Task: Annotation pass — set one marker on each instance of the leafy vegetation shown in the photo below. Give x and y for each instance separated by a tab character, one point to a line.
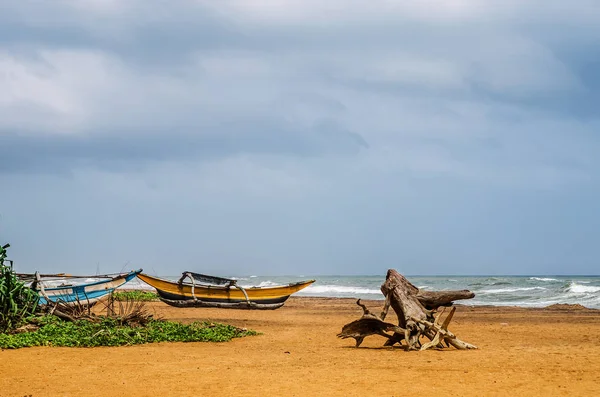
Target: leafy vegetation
137	295
17	301
109	332
126	322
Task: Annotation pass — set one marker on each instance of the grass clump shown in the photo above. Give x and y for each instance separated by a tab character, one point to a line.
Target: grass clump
109	332
137	295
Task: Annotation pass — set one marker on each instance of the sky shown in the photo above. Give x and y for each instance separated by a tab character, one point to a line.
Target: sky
306	137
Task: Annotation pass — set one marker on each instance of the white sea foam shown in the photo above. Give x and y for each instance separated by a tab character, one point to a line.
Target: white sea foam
583	289
267	283
57	283
543	279
508	290
340	289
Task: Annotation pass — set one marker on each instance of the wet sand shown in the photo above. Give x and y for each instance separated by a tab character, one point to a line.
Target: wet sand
525	352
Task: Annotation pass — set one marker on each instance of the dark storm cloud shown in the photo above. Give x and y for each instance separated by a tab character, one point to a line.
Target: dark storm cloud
22	152
166	36
148	38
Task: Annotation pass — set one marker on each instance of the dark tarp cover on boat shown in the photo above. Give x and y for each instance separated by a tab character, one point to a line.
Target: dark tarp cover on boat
209	279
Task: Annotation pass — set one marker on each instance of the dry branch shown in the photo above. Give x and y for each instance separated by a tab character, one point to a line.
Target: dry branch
432	300
368	324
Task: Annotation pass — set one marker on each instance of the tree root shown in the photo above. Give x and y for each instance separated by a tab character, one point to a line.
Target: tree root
416	320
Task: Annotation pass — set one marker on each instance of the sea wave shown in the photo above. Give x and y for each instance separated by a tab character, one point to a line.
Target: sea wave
266	283
487	284
340	289
582	289
529	291
543	279
509	290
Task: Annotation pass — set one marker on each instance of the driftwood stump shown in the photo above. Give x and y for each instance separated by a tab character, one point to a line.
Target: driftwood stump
416	311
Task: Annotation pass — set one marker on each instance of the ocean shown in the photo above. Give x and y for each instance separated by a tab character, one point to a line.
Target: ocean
524	291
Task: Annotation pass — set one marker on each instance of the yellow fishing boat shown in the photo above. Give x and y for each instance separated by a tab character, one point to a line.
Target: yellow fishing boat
210	291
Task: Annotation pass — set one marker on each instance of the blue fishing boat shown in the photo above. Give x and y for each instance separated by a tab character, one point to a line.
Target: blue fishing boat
86	294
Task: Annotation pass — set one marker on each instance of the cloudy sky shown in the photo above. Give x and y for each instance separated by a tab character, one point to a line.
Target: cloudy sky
293	137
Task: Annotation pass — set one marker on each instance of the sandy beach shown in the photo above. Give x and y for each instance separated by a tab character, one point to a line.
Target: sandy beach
526	352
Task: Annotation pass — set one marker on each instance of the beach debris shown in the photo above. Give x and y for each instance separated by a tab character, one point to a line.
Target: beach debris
26	328
416	311
367	325
129	310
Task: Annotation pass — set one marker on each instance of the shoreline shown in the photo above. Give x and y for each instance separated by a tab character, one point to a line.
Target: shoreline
522	351
462	303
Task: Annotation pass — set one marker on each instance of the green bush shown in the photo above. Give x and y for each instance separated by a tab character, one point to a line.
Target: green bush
108	332
136	295
17	301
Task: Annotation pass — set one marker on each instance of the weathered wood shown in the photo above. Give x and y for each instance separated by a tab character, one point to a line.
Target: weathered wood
416	318
363	327
63	316
434	299
26	328
368	324
403	299
415	310
402	295
448	336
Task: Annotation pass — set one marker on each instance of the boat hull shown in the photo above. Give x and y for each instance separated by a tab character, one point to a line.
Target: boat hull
222	305
188	295
85	294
